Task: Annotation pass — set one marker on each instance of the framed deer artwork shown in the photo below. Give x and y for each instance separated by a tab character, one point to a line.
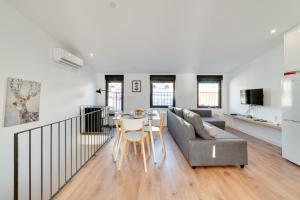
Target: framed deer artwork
22	102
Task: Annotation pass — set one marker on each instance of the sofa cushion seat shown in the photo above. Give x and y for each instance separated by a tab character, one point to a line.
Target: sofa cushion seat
215	121
218	133
225	135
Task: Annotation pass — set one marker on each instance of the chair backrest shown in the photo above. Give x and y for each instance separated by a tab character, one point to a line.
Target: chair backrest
132	124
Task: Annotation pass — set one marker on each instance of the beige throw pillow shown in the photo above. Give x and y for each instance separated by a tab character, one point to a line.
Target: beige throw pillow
196	121
179	112
210	129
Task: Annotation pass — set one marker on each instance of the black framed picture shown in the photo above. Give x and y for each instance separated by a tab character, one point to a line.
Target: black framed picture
136	86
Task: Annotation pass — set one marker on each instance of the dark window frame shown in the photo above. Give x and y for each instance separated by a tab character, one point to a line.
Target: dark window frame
114	79
210	79
162	79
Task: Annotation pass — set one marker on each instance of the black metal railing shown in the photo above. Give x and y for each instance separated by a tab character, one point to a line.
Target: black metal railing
162	98
46	158
208	99
115	101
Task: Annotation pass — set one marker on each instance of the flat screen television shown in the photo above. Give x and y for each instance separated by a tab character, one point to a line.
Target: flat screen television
252	97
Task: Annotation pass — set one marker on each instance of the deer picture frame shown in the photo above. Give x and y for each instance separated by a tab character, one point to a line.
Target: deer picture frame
22	102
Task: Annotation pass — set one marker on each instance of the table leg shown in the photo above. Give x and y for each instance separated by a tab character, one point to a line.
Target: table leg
152	142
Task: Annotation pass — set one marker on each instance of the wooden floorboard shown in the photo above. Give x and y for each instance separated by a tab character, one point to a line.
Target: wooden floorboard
268	176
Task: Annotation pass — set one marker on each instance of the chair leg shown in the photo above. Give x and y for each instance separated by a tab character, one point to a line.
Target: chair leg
117	140
134	145
148	146
162	143
144	155
127	148
124	150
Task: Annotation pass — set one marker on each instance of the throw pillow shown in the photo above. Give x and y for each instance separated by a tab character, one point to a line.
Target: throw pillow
211	131
196	121
179	112
171	109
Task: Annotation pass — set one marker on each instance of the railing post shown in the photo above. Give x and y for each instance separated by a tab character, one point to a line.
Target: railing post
101	125
65	151
16	167
76	122
58	156
51	170
42	165
71	157
29	158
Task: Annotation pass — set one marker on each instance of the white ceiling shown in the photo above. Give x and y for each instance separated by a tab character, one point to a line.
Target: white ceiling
164	36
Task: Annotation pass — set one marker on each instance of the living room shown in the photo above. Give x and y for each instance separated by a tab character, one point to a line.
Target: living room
212	81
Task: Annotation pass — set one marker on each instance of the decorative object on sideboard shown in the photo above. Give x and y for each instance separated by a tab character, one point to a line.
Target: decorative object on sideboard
136	86
22	102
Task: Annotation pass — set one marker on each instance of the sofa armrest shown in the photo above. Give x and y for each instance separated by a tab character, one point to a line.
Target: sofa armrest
220	152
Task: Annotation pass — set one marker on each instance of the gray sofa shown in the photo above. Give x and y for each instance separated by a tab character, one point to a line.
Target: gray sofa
206	116
224	150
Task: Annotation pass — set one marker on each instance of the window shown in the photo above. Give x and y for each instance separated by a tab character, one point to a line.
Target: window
114	92
162	91
209	94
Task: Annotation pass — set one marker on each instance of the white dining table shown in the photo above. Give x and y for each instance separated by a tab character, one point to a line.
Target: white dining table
154	116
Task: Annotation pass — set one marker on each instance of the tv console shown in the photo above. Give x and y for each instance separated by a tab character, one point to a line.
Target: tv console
261	122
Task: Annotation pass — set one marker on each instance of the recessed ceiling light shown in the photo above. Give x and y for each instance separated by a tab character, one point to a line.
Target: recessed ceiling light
113	4
91	54
273	31
299	31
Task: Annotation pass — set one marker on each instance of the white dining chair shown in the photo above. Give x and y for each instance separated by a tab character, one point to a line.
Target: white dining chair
133	132
159	131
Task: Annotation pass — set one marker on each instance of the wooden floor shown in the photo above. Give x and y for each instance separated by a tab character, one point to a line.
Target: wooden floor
267	176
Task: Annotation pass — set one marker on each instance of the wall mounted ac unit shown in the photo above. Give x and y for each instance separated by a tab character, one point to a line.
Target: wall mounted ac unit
62	56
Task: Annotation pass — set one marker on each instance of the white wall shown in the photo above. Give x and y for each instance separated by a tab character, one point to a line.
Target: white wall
185	89
263	72
25	52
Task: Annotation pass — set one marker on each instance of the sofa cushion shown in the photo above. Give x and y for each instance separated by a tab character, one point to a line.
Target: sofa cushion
179	112
196	121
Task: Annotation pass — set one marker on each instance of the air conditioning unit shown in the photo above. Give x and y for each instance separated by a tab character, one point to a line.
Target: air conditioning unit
62	56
